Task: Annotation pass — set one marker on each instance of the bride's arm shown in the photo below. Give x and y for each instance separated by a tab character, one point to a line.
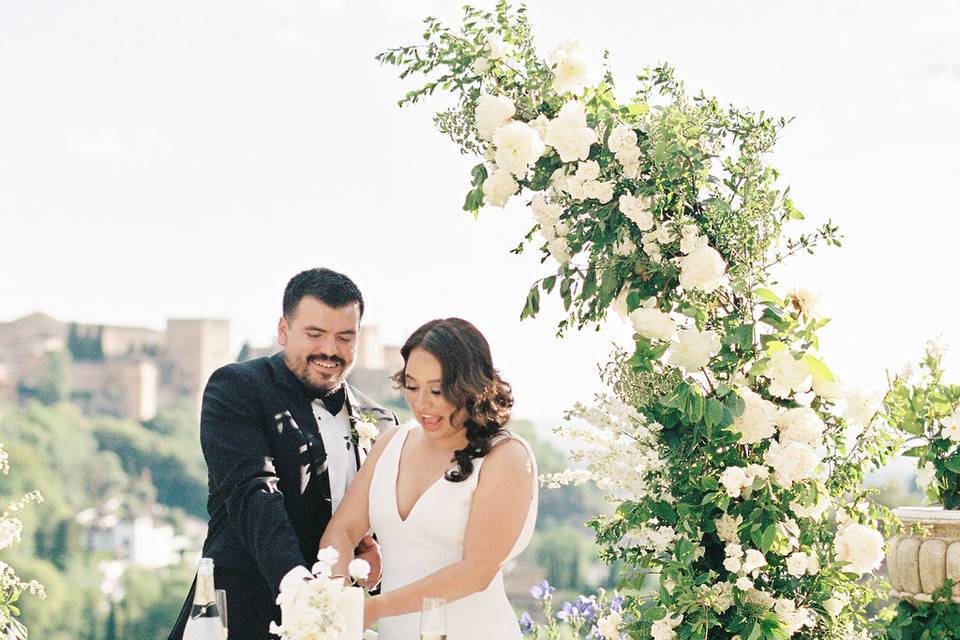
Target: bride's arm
497	515
351	521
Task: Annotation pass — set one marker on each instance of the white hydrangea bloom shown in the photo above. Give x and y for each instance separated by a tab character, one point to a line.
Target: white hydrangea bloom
693	349
756	423
498	187
727	527
801	424
518	146
569	134
702	269
492	113
787	375
860	547
571	66
546	213
735	480
753	561
559	248
791	462
663	629
637	209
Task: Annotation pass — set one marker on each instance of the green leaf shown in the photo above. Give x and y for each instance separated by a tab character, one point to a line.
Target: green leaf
532	307
654	613
953	463
765	295
818	368
713	412
768	538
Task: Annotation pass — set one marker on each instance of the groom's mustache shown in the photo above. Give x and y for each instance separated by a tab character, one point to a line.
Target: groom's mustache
322	358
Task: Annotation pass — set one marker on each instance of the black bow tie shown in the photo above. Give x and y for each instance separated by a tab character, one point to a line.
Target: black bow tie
333	400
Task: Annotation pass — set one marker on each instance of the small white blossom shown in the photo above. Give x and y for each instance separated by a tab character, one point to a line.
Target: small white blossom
663	629
756	423
702	269
637	209
787	374
570	63
621	137
693	349
801	424
358	569
791	462
862	406
492	113
653	323
860	546
498	187
518	146
569	134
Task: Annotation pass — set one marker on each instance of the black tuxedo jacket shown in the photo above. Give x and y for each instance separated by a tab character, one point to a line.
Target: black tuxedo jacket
269	491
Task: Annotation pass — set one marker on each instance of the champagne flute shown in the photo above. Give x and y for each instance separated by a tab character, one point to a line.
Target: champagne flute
433	619
221	595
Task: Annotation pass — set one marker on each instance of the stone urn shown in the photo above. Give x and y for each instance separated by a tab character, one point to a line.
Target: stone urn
917	565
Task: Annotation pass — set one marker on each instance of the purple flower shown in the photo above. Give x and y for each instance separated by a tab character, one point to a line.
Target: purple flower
526	623
617	603
570	613
542	591
587	607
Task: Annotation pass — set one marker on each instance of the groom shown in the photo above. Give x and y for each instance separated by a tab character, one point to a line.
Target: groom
278	437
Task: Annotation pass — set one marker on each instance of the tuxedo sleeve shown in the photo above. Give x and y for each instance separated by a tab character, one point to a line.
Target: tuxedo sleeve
241	468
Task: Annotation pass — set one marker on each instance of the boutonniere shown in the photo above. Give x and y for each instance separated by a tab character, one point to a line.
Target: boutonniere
364	429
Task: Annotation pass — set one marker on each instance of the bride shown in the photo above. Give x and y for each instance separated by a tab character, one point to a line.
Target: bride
451	495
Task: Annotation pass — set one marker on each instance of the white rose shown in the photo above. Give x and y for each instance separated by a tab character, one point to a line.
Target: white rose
791	462
787	375
601	191
495	46
693	349
815	512
620	304
753	561
762	598
801	424
621	137
632	170
926	475
561	229
480	65
744	583
625	248
862	406
735	480
545	212
756	423
702	269
732	564
727	527
653	323
492	113
358	569
664	234
570	62
637	209
560	250
366	432
569	134
663	629
629	156
860	546
829	390
798	563
498	187
518	146
327	557
834	605
690	239
805	301
540	126
609	625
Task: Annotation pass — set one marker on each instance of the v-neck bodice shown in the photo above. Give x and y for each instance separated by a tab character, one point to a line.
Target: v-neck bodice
431	538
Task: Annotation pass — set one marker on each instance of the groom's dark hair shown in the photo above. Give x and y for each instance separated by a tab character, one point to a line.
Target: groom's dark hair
330	287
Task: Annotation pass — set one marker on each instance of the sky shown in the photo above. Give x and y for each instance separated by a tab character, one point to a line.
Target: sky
185	159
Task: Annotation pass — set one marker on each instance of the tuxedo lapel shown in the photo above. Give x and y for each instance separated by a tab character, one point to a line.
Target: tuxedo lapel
304	422
353	411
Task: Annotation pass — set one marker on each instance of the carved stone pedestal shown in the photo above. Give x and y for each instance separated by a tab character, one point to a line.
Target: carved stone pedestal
917	565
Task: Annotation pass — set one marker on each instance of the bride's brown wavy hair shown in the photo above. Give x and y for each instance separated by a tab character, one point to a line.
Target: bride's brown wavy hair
469	382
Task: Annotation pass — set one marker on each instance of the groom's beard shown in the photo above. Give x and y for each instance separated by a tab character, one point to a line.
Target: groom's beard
320	389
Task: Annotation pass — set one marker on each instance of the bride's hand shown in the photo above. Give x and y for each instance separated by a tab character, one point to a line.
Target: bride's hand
370	551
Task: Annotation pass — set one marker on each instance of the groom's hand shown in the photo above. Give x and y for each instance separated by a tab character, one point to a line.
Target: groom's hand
369	550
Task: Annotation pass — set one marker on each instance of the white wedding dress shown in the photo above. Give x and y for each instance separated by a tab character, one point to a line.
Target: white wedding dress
430	539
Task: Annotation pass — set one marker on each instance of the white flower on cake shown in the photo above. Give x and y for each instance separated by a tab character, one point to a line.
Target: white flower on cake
801	424
791	462
569	134
693	349
622	137
756	423
702	269
518	146
860	547
637	209
498	187
787	374
492	113
570	62
358	569
653	323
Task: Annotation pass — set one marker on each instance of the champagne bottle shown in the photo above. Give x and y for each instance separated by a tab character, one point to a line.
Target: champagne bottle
204	622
